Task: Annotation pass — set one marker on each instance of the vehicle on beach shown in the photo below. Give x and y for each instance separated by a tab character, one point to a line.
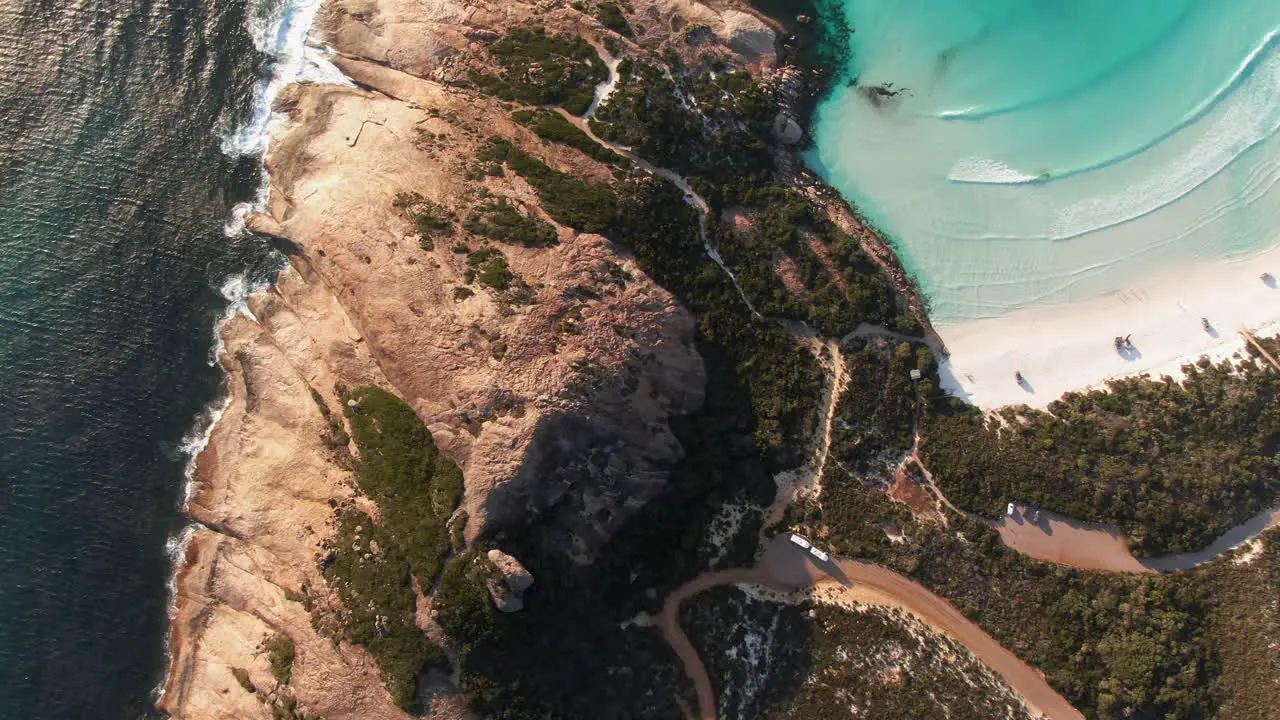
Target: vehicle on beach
819	554
796	539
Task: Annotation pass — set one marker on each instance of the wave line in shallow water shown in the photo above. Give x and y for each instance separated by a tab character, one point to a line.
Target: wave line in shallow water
983	171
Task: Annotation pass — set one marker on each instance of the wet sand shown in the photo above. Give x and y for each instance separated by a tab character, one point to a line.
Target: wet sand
787	567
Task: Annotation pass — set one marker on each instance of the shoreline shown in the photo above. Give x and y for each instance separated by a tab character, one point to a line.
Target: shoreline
1071	348
283	40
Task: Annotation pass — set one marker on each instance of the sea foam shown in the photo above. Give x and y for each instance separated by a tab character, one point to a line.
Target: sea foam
978	170
1169	160
280	31
1239	123
282	35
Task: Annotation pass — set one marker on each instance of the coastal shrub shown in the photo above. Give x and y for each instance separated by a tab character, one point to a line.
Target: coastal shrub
761	392
373	566
1247	629
462	604
242	676
500	220
842	287
280	651
580	204
610	15
490	267
714	126
428	218
824	660
779	378
1173	464
553	127
415	487
379	603
1114	645
336	438
544	69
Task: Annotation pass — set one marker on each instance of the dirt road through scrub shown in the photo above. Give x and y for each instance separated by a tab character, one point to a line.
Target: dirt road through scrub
787	567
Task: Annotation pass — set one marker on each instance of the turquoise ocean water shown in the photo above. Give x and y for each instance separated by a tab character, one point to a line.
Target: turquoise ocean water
1045	151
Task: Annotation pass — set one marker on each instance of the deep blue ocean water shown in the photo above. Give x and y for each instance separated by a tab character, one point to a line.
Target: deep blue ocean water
112	252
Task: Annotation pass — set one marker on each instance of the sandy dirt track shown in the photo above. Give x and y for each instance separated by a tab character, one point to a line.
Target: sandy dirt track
787	567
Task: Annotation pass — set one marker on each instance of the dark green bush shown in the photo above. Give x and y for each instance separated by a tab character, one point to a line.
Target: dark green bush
610	15
552	126
280	653
242	677
373	566
502	221
428	218
580	204
714	127
542	69
1173	464
490	267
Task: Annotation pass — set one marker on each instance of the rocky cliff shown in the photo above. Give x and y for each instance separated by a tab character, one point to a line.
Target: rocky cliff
553	392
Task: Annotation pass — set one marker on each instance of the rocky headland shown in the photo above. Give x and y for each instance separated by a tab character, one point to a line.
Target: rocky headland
552	388
565	325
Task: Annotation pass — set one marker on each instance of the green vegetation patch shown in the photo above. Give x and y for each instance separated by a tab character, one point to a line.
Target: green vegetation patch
610	15
280	652
553	127
1247	620
572	201
462	604
242	677
428	218
772	372
373	566
843	287
1114	645
336	438
1175	465
502	221
715	126
544	69
489	266
807	661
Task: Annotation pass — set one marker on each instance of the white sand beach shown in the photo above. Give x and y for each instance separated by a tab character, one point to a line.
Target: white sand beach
1072	347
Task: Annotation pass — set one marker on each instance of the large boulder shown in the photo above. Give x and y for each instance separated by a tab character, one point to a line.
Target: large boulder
747	35
507	588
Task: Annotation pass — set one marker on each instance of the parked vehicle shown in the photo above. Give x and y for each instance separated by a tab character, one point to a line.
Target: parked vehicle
819	554
800	541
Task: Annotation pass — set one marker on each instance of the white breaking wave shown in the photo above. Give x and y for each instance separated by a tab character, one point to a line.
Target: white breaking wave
281	33
1243	121
969	170
969	113
197	439
175	548
982	170
283	38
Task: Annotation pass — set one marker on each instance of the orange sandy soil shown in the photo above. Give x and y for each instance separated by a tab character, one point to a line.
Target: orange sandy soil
787	567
